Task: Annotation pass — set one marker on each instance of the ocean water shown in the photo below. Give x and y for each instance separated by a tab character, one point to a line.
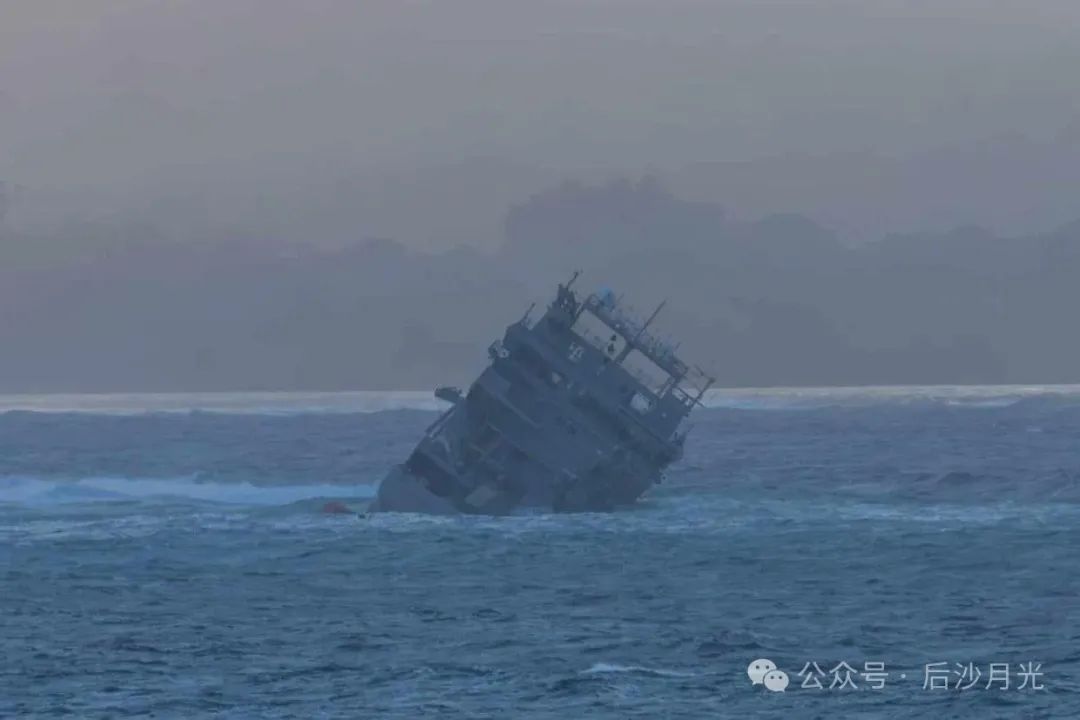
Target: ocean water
167	556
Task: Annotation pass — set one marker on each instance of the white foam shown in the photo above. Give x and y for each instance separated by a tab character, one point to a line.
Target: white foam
989	396
37	491
612	668
295	403
262	403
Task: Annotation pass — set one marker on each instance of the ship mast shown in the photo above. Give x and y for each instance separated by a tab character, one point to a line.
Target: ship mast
632	344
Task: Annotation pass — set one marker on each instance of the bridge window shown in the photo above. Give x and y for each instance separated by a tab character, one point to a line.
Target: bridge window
649	373
597	333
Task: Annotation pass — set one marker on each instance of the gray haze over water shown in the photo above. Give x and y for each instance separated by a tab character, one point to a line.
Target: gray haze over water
252	195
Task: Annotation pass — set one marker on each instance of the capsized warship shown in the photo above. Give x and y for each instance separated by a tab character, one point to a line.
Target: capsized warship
579	410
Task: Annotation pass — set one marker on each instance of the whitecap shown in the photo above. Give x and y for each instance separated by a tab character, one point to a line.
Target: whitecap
251	403
613	668
38	491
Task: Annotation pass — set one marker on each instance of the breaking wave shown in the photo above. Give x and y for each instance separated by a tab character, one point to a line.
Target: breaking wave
973	396
267	403
37	491
298	403
613	668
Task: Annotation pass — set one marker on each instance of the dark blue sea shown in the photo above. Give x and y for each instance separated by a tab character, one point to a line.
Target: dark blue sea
894	553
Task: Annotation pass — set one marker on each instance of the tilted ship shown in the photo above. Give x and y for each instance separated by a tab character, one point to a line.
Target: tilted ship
580	410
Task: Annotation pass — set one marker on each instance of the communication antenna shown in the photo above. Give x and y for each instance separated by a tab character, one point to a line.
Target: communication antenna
651	318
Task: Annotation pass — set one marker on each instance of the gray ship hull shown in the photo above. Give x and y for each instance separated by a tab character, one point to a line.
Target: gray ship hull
404	491
401	491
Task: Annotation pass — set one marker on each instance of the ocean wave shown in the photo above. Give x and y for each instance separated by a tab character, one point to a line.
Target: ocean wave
965	396
38	491
260	403
614	668
299	403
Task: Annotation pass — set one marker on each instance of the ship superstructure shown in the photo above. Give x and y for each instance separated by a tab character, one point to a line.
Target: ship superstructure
581	409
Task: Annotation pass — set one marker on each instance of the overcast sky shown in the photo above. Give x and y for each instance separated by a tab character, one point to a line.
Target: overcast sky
121	95
163	159
111	89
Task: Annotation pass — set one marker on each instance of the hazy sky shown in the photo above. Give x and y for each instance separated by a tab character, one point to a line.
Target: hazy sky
112	89
163	154
124	95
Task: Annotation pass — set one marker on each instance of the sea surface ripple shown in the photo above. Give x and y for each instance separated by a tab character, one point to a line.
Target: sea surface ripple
169	558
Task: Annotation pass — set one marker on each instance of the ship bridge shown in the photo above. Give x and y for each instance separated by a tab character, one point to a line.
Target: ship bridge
603	322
